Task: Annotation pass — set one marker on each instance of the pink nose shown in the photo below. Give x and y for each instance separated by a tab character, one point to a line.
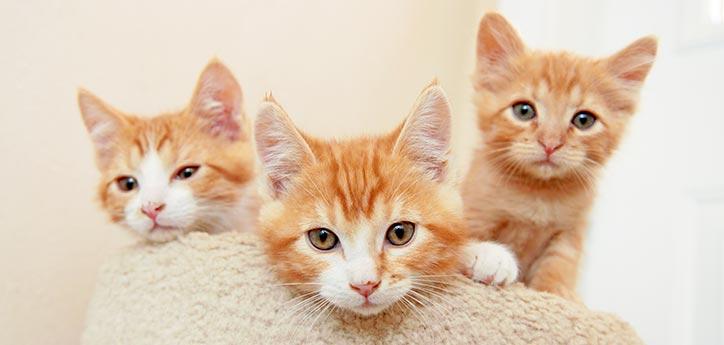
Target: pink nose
549	148
152	209
365	289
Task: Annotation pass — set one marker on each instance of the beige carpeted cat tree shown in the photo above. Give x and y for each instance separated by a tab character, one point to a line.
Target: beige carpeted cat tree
218	289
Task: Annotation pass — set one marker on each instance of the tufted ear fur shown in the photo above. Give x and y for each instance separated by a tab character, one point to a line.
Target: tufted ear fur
498	41
425	135
218	101
631	65
103	124
281	148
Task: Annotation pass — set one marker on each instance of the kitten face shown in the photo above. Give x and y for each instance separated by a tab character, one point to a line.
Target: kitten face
359	224
553	115
177	172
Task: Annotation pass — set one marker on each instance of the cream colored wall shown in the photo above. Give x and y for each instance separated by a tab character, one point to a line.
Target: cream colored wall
339	68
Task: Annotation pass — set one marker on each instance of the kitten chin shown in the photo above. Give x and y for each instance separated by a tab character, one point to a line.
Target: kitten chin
549	122
370	222
185	171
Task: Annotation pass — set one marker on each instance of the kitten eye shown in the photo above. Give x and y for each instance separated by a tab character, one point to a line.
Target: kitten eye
400	233
322	239
523	111
186	172
583	120
127	183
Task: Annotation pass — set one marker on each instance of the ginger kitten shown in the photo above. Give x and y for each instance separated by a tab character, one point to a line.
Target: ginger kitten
549	122
180	171
362	224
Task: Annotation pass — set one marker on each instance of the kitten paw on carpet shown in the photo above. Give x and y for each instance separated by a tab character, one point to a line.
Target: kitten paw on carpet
490	263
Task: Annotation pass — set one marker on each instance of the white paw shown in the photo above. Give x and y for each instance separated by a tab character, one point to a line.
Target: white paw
490	263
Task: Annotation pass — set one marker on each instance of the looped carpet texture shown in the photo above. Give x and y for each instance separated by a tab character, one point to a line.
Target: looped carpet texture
218	289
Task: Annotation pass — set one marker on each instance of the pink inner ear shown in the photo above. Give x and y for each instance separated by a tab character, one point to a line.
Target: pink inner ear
217	102
222	113
425	137
219	109
632	64
497	40
281	148
634	68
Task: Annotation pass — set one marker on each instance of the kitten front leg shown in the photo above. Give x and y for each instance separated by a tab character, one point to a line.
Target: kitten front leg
556	270
490	263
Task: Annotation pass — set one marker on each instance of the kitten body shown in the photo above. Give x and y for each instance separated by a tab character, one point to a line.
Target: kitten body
549	122
190	170
365	223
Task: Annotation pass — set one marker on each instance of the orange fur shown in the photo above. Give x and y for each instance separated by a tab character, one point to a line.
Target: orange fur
218	141
357	188
515	193
356	180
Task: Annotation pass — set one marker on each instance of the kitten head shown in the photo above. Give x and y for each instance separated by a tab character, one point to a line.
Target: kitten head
176	172
547	116
361	223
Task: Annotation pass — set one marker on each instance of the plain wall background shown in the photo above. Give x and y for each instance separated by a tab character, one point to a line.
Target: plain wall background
654	252
343	68
339	68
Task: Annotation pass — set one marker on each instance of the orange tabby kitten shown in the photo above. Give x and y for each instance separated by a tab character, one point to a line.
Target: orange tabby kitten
549	122
177	172
364	223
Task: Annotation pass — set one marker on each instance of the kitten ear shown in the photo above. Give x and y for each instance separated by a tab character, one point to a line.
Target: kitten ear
425	134
631	65
281	148
103	124
497	41
218	101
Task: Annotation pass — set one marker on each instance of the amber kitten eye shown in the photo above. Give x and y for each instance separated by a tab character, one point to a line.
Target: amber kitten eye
400	233
322	239
126	183
524	111
583	120
186	172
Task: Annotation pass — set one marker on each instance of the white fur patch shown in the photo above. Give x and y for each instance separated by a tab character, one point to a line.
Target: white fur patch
355	263
491	263
156	186
212	106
